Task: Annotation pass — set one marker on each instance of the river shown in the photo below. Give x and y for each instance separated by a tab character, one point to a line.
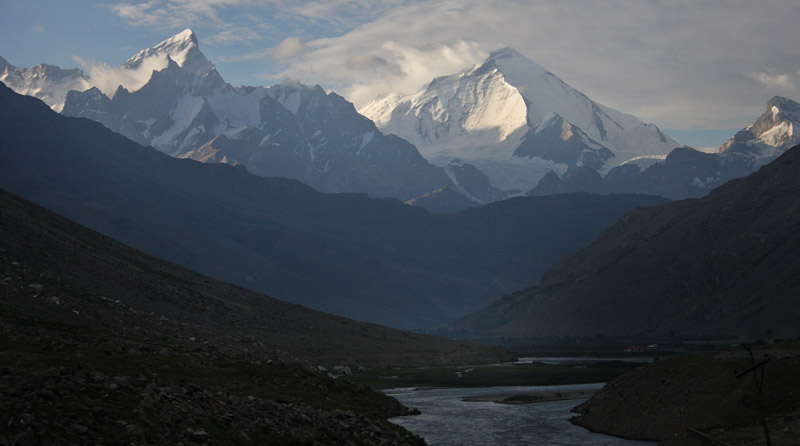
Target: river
447	420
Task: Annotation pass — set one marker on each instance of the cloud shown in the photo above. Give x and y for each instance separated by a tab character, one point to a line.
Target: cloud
679	64
286	50
37	28
233	35
141	14
175	13
402	68
781	82
108	78
289	48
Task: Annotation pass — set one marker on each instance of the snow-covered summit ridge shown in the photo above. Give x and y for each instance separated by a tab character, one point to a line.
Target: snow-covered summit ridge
183	48
510	62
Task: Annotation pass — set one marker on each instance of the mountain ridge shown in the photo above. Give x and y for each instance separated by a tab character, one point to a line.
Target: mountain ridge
717	266
371	259
185	105
689	173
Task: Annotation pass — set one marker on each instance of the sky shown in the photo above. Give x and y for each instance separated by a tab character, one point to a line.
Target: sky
700	70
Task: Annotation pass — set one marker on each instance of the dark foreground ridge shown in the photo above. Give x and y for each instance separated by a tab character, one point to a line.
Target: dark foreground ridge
100	343
686	400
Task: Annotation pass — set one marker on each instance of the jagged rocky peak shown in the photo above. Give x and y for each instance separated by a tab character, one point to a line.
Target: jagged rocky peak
776	128
780	111
554	121
292	94
183	48
784	109
557	139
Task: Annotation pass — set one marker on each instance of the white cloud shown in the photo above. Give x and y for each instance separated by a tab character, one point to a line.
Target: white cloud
780	82
140	14
37	28
679	64
175	13
233	35
289	48
108	78
401	68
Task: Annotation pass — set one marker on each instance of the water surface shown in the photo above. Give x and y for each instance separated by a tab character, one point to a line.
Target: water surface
447	420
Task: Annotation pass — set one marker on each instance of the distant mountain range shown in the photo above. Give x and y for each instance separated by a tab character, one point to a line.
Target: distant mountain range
506	127
371	259
46	82
187	110
723	265
687	172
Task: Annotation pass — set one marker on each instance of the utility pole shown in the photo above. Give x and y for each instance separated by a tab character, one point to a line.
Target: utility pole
754	368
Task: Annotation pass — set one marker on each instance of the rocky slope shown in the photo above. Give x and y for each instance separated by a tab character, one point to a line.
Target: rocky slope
375	260
723	265
704	393
100	343
151	299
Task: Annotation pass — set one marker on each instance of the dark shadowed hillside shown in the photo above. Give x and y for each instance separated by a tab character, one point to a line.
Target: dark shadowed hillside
726	264
375	260
171	303
100	343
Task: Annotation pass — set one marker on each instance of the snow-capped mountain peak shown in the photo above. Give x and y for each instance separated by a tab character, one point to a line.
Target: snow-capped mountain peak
46	82
183	48
486	114
186	109
773	132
